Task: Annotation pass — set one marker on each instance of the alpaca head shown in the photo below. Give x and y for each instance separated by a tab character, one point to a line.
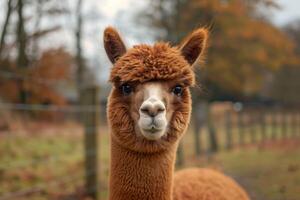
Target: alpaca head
150	104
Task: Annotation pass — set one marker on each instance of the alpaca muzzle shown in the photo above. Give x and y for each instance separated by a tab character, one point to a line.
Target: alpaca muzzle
152	122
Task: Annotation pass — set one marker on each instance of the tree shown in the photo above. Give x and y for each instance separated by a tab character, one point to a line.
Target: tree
79	56
26	45
244	45
292	29
22	59
41	79
44	9
5	25
286	81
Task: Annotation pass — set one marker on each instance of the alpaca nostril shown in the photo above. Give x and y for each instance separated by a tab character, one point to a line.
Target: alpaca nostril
160	110
152	110
145	110
149	111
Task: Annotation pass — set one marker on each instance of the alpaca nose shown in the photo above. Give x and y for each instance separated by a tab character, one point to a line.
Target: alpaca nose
152	108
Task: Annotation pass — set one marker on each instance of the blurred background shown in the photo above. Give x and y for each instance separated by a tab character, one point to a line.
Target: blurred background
54	140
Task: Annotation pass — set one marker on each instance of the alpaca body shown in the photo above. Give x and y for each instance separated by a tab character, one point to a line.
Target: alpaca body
138	176
149	110
206	184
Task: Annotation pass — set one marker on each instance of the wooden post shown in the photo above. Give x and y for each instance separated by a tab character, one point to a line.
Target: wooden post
274	125
198	122
180	156
294	124
241	128
228	127
283	125
91	125
288	124
298	124
263	126
211	132
253	128
197	138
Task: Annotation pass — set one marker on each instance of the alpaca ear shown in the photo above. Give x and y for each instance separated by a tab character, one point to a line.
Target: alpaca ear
113	44
194	45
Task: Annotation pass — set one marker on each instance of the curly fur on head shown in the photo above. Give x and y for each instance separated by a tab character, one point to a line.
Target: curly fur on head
145	63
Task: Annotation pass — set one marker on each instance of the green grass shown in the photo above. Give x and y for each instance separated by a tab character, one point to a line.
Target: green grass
31	161
27	161
268	174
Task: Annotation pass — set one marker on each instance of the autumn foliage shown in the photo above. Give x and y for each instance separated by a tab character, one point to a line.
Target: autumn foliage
245	46
39	82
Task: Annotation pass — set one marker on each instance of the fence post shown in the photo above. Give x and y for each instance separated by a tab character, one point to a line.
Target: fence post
253	128
198	121
241	128
263	126
298	124
294	124
274	125
180	155
211	131
197	138
228	124
283	125
91	123
288	124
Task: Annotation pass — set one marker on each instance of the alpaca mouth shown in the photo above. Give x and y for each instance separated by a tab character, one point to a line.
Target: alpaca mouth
152	132
153	129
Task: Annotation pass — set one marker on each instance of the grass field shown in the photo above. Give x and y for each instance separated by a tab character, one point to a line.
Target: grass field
268	174
50	166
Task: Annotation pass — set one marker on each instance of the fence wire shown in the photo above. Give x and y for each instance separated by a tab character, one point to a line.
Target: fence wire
237	128
18	165
49	108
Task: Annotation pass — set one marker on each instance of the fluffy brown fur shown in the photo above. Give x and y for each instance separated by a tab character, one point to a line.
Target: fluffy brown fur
206	184
144	63
140	168
135	175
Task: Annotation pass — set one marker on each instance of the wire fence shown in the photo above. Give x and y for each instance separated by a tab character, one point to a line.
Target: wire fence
236	129
21	132
49	108
225	130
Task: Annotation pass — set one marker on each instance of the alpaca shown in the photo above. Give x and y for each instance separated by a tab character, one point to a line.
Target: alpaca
148	111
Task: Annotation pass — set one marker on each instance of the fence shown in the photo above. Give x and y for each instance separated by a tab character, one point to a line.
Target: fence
84	119
242	128
225	131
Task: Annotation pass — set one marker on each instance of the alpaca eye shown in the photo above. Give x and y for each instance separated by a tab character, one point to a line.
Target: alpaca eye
126	89
178	90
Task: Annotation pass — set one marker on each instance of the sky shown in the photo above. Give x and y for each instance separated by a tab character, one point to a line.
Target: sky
289	11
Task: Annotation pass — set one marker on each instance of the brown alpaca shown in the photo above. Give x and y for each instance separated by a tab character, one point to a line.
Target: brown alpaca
149	110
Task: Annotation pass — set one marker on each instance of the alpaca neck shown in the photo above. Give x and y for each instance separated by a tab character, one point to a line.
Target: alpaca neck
137	176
